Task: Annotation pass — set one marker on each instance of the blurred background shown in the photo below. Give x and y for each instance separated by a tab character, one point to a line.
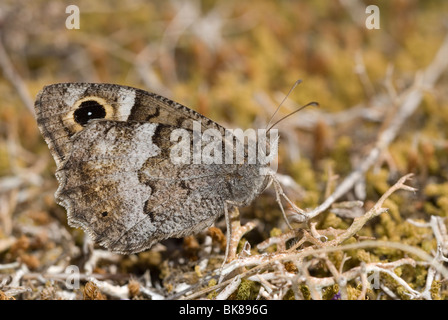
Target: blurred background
234	62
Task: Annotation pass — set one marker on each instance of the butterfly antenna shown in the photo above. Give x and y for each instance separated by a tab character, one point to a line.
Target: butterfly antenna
284	99
295	111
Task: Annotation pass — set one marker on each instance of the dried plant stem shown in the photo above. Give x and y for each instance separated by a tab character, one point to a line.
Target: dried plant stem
364	281
261	263
319	283
410	100
236	232
440	234
14	78
279	240
229	289
376	210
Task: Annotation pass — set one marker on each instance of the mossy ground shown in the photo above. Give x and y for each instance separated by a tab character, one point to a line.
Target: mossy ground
232	61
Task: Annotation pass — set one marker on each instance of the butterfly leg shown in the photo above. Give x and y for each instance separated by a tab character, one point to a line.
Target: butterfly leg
279	194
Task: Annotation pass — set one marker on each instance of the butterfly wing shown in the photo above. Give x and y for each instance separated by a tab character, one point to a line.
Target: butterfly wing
118	182
64	109
125	192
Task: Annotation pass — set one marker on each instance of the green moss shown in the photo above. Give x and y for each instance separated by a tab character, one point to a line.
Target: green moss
377	182
435	289
305	292
428	245
431	209
364	256
303	173
289	295
439	194
275	232
330	292
4	160
310	200
390	227
420	274
212	295
246	290
402	293
220	82
339	69
412	234
393	210
332	220
353	292
341	154
442	203
434	189
336	258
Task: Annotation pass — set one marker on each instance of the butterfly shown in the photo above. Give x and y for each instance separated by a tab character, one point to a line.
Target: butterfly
113	146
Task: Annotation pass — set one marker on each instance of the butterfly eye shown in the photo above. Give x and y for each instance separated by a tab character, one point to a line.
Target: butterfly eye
88	110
